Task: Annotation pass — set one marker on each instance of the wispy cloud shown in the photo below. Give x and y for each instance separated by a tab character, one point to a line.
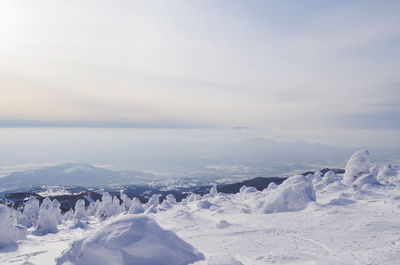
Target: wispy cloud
193	64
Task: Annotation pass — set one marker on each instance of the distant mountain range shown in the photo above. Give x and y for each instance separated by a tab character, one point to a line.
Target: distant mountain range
79	181
72	174
89	176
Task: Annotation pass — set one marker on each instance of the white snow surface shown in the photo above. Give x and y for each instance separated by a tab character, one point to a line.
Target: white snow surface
31	212
9	232
132	240
294	194
48	217
357	165
294	223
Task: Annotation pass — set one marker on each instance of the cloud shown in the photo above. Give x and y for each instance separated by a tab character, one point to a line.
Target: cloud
258	64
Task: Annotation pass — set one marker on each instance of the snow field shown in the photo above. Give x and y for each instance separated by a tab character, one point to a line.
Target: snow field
314	219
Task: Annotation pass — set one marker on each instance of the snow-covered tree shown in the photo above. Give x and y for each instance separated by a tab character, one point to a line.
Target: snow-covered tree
272	186
68	216
152	204
92	208
56	207
80	211
386	173
244	189
117	206
107	207
169	201
47	221
31	212
213	191
364	180
9	232
126	202
193	197
357	166
316	177
293	194
328	178
136	206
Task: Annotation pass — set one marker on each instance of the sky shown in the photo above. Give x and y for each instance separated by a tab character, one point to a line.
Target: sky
200	64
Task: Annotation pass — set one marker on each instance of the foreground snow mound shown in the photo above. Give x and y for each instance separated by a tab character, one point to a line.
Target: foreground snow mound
293	194
357	166
9	233
131	240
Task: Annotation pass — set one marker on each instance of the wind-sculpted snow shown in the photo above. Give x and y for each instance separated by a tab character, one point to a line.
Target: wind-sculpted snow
80	212
31	212
328	178
48	218
313	218
152	205
169	202
357	165
9	232
136	207
126	202
108	207
131	240
388	175
294	194
245	189
365	180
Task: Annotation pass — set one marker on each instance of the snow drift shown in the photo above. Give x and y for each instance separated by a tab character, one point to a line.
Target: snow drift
131	240
293	194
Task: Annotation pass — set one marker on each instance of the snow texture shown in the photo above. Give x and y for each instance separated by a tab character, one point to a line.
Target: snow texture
169	202
9	233
31	212
293	194
48	218
108	207
131	240
245	189
136	207
126	202
387	175
311	219
152	204
367	179
357	165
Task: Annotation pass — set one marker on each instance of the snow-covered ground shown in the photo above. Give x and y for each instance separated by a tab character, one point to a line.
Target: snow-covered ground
306	220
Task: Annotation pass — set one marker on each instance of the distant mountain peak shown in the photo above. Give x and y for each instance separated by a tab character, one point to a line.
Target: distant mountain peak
69	174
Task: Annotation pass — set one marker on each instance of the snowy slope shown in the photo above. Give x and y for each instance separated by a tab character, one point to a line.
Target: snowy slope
314	219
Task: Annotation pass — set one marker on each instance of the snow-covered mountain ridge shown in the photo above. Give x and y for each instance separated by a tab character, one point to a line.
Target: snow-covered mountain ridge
72	174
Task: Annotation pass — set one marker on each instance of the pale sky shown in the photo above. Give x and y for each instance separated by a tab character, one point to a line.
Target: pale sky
184	64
